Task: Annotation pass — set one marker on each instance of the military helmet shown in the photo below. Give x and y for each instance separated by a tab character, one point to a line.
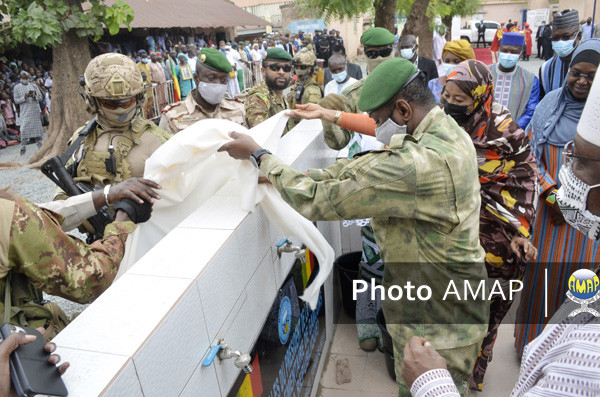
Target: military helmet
113	76
305	57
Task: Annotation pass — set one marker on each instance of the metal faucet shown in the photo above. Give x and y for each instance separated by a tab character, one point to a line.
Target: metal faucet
286	245
242	360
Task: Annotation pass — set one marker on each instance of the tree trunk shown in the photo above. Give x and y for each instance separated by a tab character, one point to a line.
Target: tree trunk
69	60
417	23
385	14
447	21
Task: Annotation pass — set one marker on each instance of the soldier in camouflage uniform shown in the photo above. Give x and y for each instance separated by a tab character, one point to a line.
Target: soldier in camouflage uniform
208	100
36	253
114	91
266	99
378	44
305	86
423	197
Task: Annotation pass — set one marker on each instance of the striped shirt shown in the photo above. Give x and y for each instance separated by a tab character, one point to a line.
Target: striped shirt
563	361
561	251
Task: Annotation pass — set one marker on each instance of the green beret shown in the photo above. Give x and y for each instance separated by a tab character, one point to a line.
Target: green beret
384	82
377	37
277	54
214	59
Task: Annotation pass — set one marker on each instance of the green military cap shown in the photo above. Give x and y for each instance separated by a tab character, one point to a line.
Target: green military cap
277	54
215	60
377	37
384	82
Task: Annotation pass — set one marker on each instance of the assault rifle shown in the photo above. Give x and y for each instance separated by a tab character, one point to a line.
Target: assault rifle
55	170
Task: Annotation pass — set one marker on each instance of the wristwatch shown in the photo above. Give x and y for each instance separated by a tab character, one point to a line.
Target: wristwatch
255	157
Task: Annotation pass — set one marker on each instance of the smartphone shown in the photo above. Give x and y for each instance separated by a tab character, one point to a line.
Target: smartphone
30	371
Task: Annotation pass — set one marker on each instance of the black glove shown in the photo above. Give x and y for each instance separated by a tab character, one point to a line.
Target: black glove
138	213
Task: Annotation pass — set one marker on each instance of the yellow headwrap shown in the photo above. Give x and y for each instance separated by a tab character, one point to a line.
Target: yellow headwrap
461	48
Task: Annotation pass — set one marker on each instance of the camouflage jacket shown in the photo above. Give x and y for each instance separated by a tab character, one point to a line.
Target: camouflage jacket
262	103
312	94
423	196
337	137
182	114
36	254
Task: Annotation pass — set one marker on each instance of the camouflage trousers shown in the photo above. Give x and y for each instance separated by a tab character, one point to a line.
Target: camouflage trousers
459	360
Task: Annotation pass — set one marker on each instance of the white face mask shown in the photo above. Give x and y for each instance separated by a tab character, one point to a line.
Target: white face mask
385	131
407	53
572	199
448	68
212	93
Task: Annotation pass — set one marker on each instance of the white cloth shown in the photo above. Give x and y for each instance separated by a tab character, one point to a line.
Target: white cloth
439	42
255	55
235	58
502	88
191	171
75	210
29	115
589	123
333	87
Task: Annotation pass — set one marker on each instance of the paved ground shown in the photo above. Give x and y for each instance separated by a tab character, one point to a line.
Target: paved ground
370	376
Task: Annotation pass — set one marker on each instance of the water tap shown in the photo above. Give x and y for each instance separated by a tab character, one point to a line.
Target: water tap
286	245
242	360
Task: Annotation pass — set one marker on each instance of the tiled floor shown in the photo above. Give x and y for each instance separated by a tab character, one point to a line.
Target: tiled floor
370	376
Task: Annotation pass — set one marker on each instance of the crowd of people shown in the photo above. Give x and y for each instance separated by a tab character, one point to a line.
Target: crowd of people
25	98
472	174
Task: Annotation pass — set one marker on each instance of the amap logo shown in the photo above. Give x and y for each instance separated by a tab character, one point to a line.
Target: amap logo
584	288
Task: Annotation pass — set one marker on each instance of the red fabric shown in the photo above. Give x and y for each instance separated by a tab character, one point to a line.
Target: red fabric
484	55
358	122
528	43
496	42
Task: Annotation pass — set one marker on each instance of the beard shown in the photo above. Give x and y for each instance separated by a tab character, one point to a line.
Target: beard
274	85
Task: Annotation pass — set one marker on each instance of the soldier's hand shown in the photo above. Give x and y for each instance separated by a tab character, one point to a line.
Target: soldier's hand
241	147
419	357
136	189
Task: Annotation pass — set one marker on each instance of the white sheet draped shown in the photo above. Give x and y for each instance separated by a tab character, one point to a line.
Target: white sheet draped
190	171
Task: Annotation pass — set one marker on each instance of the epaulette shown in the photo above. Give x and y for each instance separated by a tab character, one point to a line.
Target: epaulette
170	106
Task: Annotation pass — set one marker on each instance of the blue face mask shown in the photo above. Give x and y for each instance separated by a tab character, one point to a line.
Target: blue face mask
563	47
508	61
448	68
340	77
408	53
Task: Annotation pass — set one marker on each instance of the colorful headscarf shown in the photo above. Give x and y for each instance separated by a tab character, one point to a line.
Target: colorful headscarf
507	170
475	79
461	48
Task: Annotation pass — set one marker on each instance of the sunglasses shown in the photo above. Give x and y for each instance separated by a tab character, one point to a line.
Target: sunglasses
276	66
301	67
112	104
384	52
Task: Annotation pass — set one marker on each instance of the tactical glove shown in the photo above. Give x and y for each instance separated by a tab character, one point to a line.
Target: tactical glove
138	213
